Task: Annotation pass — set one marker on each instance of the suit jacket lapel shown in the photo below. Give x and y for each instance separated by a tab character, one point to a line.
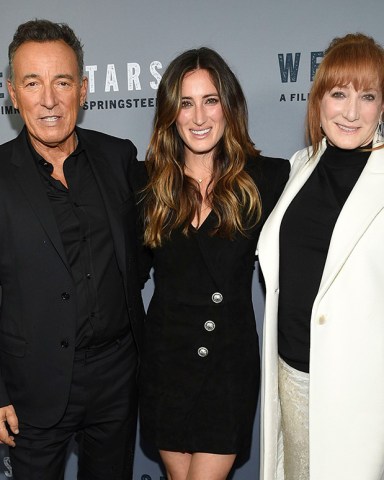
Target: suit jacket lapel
211	248
27	176
362	206
105	181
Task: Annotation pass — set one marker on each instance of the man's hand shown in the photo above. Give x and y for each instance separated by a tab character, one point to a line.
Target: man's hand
8	416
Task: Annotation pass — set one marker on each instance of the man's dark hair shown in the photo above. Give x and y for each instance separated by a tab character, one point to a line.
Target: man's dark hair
45	31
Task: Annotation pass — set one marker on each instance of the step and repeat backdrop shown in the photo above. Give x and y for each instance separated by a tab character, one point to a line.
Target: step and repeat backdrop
274	47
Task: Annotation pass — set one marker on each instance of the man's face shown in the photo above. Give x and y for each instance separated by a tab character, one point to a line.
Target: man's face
48	92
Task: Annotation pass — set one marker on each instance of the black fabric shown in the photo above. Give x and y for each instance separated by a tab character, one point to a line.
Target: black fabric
86	235
206	404
305	234
102	407
39	311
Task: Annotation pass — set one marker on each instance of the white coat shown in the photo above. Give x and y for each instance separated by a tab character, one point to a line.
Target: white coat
346	400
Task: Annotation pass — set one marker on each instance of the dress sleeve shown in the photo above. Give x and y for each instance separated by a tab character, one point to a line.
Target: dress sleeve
270	176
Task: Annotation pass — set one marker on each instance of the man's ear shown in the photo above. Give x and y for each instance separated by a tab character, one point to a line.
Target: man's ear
83	90
12	93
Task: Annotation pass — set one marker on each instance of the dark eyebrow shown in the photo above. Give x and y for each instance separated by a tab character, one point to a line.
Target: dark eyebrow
205	96
30	75
56	77
64	75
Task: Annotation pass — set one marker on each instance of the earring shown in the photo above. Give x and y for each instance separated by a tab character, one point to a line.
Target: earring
381	125
380	130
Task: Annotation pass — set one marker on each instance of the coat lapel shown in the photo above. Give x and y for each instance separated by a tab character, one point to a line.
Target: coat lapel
362	206
27	176
301	169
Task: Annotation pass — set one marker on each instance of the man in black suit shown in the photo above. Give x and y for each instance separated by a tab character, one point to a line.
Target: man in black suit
71	310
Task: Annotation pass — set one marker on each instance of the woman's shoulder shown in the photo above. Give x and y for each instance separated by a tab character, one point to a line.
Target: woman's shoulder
267	169
270	176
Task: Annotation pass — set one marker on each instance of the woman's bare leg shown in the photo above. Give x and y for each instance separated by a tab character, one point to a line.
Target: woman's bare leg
176	464
197	466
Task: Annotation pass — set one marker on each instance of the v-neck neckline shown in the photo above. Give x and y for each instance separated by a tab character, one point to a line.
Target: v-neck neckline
196	229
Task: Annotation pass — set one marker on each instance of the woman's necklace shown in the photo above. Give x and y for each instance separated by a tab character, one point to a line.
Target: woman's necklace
201	180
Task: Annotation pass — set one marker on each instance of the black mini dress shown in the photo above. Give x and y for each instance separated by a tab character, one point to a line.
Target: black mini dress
200	369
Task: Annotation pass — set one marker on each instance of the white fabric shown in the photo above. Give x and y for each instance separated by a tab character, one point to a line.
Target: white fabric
294	395
346	400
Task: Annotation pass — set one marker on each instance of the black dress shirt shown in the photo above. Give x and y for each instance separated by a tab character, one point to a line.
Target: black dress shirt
81	218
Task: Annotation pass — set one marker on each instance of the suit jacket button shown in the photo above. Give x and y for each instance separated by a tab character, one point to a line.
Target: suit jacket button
217	297
209	325
65	296
64	344
202	352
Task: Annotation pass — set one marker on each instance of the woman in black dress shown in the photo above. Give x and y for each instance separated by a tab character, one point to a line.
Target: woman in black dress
208	193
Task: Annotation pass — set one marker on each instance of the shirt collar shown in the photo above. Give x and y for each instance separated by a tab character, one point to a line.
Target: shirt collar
40	161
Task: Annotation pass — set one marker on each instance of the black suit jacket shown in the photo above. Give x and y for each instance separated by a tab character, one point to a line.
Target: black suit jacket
38	310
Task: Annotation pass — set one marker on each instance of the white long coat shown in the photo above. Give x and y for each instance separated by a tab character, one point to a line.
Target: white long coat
346	404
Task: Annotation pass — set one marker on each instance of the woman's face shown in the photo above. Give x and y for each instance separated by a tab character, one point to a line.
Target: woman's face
201	120
348	117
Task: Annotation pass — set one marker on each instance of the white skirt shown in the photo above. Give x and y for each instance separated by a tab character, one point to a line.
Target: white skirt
294	396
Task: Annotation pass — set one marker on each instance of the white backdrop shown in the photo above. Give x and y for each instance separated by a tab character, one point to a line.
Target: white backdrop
272	45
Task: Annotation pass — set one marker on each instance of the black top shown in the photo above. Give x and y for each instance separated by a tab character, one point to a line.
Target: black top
305	234
85	232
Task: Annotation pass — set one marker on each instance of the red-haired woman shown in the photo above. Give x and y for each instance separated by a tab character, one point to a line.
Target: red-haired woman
321	253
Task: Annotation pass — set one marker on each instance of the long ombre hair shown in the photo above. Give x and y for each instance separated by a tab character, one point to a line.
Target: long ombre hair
172	199
354	58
